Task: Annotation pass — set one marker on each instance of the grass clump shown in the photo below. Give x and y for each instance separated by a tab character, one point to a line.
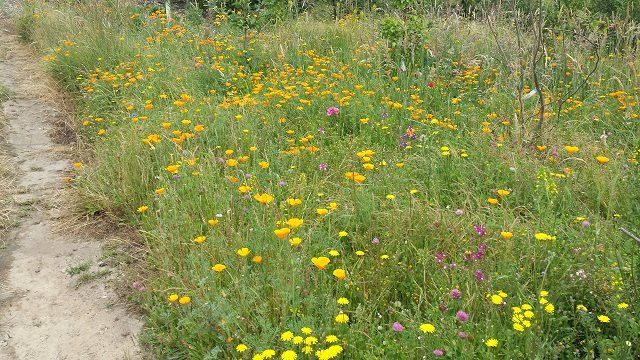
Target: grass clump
306	190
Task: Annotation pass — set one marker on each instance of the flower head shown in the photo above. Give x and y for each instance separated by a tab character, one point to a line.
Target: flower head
397	327
333	111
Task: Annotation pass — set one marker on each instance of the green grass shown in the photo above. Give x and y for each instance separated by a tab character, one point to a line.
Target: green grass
80	268
190	123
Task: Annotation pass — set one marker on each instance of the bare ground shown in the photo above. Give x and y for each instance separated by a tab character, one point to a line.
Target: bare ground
43	312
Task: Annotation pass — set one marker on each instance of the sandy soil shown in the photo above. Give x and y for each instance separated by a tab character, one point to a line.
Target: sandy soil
42	314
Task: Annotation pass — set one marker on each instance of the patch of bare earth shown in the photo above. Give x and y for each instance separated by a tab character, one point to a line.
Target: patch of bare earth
56	301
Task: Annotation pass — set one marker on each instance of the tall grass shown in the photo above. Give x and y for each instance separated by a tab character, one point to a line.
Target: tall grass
410	178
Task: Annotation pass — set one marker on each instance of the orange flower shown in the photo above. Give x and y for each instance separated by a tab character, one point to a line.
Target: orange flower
492	201
321	262
282	232
506	235
571	149
602	159
340	274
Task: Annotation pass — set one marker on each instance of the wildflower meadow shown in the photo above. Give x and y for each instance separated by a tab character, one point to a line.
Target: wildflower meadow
387	180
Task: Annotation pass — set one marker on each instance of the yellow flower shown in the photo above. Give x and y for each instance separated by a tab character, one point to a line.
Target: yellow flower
184	300
173	297
295	223
518	327
244	251
340	274
232	162
142	209
334	253
492	343
322	211
390	197
342	318
77	165
295	241
496	299
241	348
506	235
544	293
160	191
427	328
544	237
264	164
571	149
321	262
282	232
213	222
286	336
603	318
294	202
623	306
492	201
263	198
289	355
218	267
306	330
549	308
244	189
581	307
330	339
200	239
343	234
343	301
602	159
297	340
360	253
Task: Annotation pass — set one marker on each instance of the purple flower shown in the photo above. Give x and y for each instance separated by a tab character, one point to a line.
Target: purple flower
321	131
479	275
440	257
385	114
462	335
333	111
462	316
585	224
323	167
455	294
438	352
397	327
480	229
375	241
459	212
282	183
403	141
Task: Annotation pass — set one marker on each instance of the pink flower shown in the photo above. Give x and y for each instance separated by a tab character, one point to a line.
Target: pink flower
333	111
455	294
462	316
397	327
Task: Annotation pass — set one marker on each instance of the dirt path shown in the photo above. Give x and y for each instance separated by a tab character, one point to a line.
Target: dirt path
42	314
